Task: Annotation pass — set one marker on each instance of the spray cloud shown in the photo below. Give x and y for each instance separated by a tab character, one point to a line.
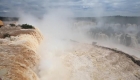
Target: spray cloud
58	30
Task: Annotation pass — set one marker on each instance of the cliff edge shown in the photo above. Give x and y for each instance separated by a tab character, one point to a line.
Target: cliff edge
18	53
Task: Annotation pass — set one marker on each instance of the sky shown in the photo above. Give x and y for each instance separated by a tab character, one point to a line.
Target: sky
83	8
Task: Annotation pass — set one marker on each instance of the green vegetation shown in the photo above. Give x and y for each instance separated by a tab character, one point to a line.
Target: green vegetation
27	26
6	35
12	25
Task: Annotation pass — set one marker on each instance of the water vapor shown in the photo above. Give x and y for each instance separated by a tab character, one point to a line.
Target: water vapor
57	50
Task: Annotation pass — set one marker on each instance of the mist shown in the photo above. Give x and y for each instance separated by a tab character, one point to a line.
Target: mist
61	31
58	31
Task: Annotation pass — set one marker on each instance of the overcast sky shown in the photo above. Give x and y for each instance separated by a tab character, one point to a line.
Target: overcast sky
78	7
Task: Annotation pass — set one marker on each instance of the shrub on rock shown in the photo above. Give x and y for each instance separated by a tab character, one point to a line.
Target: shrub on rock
12	25
27	26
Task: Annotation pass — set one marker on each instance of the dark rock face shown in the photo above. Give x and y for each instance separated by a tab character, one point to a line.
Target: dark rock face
128	40
138	37
9	18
